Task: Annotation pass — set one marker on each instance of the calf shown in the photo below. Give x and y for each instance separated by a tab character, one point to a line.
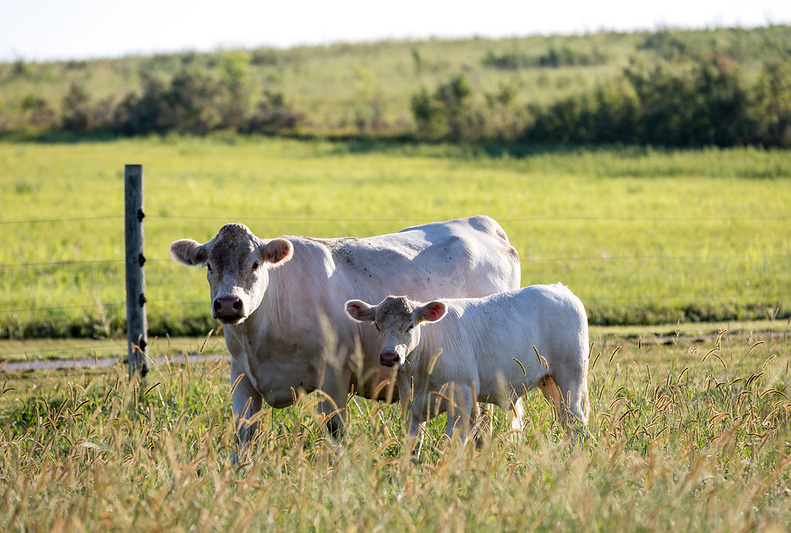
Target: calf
451	353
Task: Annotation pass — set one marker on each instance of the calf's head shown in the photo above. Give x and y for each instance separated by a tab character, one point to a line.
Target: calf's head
237	267
397	320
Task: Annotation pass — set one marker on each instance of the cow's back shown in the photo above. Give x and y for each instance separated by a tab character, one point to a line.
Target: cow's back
460	258
489	333
466	257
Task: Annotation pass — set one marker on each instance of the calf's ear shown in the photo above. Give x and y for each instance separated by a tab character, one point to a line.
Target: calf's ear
432	311
189	252
277	251
360	311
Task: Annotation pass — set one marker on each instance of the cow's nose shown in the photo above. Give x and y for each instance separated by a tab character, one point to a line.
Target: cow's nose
388	358
228	306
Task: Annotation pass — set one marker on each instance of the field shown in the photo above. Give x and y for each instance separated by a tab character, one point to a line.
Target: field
690	422
682	258
643	236
687	432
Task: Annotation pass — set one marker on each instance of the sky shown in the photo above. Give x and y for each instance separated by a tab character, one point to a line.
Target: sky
43	30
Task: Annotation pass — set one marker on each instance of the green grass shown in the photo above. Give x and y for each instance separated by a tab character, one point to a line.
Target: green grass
685	434
642	236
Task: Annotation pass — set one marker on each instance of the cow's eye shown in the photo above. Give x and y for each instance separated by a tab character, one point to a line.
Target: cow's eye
410	327
378	327
255	266
208	267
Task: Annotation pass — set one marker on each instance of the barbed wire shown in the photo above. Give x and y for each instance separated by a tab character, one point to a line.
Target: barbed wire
765	297
606	300
54	220
62	263
401	219
59	308
102	346
602	258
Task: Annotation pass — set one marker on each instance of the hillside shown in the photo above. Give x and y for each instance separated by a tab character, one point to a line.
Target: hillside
497	89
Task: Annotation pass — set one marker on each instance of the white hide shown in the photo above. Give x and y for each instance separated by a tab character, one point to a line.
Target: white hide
479	341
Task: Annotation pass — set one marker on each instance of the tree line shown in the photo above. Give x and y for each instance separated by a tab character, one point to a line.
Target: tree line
682	100
694	102
193	102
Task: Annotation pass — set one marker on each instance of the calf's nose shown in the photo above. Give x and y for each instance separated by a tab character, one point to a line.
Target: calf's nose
388	358
228	306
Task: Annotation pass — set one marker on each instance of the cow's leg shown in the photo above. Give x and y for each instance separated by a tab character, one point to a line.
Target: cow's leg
459	412
246	403
335	387
516	415
551	392
572	387
416	427
482	423
330	410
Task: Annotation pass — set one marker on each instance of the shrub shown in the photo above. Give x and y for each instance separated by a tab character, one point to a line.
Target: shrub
38	111
146	114
553	58
447	112
427	114
697	103
75	110
272	116
771	107
192	103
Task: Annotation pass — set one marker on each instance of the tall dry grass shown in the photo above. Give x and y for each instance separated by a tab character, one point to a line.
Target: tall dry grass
687	434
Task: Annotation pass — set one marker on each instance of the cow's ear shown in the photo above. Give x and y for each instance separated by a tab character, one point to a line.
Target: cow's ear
277	251
360	311
189	252
432	311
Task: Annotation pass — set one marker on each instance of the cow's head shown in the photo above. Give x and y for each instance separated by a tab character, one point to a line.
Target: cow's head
397	319
237	264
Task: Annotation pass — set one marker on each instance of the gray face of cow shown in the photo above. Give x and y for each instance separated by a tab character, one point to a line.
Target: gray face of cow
237	268
397	320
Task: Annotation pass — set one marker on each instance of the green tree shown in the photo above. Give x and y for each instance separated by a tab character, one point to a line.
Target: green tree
75	110
144	114
445	113
428	114
771	107
273	115
193	103
236	92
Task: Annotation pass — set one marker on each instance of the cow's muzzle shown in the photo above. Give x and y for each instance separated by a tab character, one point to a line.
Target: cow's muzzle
229	309
389	358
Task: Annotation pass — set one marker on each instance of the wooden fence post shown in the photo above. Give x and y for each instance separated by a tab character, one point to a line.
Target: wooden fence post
137	325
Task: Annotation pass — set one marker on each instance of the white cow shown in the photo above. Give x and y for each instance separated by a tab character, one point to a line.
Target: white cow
453	353
281	302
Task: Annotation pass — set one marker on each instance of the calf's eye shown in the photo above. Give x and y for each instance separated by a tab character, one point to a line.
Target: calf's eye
410	327
255	266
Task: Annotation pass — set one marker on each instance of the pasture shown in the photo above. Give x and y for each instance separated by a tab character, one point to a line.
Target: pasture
689	432
643	236
690	421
